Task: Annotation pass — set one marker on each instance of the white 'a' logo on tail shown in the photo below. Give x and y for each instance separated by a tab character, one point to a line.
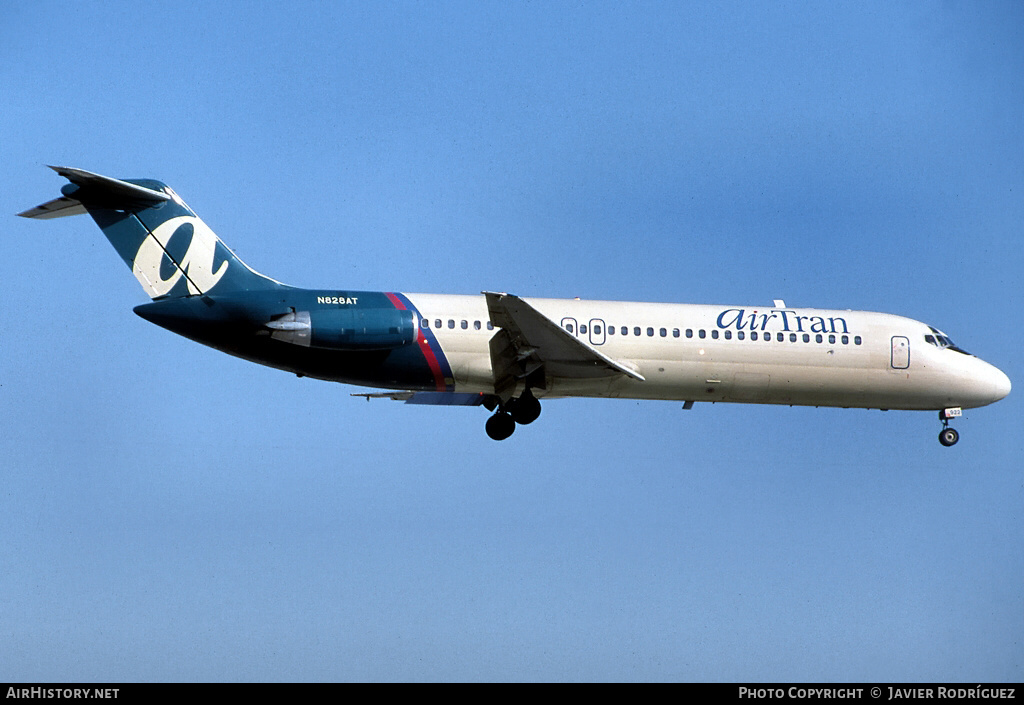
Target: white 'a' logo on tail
197	262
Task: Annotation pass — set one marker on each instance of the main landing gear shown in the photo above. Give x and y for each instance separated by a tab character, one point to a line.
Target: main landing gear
521	411
948	436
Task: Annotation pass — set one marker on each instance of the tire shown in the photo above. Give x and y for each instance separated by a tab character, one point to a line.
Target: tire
948	437
525	410
500	426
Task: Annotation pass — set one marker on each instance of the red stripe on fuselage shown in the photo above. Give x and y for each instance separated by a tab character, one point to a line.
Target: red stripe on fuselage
421	340
435	367
395	300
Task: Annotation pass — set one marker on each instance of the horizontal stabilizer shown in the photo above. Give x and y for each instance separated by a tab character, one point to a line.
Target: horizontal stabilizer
94	188
110	186
57	208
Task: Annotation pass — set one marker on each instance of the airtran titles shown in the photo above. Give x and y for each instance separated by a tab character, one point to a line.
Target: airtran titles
777	319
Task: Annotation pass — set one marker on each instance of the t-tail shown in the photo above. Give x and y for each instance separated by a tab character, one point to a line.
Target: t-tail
169	249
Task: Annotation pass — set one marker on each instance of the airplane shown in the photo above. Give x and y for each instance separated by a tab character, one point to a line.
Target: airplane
505	352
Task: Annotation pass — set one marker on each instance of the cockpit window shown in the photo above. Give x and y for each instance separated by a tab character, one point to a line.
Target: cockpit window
941	340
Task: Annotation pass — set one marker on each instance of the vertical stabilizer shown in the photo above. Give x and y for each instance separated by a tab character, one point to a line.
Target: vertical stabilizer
170	250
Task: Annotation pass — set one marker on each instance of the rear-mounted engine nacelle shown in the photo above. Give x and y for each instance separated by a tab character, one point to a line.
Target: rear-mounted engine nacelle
345	329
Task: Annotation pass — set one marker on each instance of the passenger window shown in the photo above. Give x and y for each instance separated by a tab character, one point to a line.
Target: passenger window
740	334
451	323
807	338
490	326
689	332
426	323
636	330
818	338
753	335
465	325
701	334
476	325
792	337
568	327
728	335
845	339
650	332
780	337
597	330
832	339
437	323
663	333
624	330
583	328
675	332
714	334
856	340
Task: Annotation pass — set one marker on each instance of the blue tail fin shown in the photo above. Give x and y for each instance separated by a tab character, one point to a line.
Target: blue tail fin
171	251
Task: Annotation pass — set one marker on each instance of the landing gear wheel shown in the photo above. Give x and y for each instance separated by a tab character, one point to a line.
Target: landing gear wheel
526	409
500	426
948	436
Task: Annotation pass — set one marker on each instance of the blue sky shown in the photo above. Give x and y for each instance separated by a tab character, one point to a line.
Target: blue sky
171	513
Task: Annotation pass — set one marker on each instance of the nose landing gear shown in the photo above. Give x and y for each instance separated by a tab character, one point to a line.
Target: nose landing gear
948	436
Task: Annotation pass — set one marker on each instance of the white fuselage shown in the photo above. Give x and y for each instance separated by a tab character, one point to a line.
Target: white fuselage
751	354
504	352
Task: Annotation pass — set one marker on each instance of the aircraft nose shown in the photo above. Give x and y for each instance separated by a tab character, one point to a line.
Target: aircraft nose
984	383
1000	384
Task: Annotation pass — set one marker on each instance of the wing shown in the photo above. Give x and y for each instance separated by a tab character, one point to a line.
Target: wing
431	398
530	341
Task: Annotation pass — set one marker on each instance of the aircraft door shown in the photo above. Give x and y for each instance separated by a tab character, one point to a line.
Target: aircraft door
597	331
900	352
